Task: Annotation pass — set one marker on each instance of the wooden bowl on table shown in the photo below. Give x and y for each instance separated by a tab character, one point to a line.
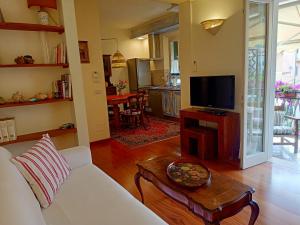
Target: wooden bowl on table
188	173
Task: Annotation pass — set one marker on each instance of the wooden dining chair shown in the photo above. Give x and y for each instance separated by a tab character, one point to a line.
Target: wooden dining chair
142	106
133	116
146	102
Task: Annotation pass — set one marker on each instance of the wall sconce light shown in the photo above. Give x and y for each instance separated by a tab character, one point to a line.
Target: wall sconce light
118	59
213	26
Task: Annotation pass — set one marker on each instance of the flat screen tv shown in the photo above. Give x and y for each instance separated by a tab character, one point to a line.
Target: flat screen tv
213	91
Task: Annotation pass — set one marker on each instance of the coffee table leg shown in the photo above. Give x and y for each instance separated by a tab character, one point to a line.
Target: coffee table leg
138	185
254	212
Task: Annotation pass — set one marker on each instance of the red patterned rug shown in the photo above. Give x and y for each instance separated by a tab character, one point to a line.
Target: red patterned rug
157	130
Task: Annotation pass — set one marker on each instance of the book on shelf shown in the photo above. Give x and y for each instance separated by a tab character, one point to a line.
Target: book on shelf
67	85
59	54
63	88
7	130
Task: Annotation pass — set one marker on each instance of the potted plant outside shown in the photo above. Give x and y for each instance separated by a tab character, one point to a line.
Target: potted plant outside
286	90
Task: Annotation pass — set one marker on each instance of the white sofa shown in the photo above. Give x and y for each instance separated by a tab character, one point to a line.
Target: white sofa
88	197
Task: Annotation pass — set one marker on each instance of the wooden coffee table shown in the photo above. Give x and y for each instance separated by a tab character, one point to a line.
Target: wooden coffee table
223	197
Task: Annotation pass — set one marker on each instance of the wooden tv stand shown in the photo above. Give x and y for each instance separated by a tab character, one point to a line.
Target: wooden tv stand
228	131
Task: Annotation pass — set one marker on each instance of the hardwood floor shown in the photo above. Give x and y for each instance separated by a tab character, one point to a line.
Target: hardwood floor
277	184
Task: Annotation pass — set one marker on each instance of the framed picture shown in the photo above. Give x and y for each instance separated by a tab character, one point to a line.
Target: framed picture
1	17
84	52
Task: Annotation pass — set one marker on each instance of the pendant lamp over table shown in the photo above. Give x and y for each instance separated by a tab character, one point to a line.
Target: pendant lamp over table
118	59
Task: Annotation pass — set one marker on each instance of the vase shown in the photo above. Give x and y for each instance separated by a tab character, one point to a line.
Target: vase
120	92
44	17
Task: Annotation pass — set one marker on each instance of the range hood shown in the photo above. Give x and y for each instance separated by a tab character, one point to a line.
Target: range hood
154	46
153	29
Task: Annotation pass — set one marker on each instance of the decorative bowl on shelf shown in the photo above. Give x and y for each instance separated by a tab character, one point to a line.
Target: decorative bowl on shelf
187	173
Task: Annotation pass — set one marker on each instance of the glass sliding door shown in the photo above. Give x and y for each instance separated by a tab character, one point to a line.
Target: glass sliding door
256	92
257	51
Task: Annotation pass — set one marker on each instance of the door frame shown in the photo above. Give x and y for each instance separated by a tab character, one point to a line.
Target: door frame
272	78
271	45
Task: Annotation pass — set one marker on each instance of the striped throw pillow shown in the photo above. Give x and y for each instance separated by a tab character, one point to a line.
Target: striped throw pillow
44	168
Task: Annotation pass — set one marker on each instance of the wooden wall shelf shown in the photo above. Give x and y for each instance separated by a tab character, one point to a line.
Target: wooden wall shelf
31	27
38	135
9	105
32	65
44	3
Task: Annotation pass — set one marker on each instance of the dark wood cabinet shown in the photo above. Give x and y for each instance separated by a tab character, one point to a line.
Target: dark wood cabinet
110	89
228	133
155	103
107	67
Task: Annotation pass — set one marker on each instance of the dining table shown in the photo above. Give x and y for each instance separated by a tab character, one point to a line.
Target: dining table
115	101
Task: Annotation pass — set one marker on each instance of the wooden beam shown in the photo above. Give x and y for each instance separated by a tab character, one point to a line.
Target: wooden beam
155	25
289	23
298	11
259	37
255	24
290	42
289	4
290	38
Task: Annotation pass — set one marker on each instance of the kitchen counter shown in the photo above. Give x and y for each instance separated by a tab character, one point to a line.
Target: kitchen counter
165	100
165	88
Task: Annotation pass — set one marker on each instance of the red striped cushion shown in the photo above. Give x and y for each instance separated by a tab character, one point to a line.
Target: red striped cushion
44	169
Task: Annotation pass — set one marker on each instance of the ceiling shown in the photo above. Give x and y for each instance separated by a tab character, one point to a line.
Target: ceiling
125	14
289	25
172	1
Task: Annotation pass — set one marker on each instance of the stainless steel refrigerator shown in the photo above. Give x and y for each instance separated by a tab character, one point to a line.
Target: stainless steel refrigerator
139	73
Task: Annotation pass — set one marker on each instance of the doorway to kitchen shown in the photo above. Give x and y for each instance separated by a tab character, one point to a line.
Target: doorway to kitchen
141	63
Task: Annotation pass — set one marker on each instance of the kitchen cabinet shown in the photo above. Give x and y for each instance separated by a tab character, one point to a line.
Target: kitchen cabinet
167	103
164	101
171	103
177	103
155	102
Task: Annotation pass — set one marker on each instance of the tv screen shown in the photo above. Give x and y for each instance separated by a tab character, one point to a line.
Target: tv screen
213	91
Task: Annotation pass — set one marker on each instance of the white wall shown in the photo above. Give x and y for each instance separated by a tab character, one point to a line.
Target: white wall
30	81
88	27
222	54
186	52
68	17
130	48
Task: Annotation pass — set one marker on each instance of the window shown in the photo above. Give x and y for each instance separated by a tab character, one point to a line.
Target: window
174	48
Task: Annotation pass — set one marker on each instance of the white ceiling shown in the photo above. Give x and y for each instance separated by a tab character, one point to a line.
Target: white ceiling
172	1
126	14
289	15
288	28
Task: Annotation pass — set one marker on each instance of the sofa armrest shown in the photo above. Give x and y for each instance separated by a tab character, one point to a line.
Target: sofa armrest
77	157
